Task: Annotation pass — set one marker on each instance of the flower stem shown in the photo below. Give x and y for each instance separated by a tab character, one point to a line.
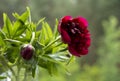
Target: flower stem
18	72
71	58
8	66
33	37
52	42
25	75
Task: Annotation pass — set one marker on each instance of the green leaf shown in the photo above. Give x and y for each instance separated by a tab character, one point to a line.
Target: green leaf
56	30
7	25
49	64
19	25
52	68
48	58
60	56
25	15
21	30
52	65
28	35
3	64
44	31
2	34
16	15
2	77
32	27
51	43
14	42
12	53
46	34
37	34
2	37
41	20
59	47
55	68
42	37
48	30
72	58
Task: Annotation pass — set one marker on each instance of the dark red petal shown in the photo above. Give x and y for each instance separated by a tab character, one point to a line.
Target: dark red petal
84	51
66	19
73	51
88	43
82	21
65	37
88	40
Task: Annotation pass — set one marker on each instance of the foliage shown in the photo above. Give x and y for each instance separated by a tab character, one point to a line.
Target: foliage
50	52
109	53
95	11
106	68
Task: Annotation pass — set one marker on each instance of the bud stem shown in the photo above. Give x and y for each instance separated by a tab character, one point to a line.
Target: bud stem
52	42
8	66
33	37
25	75
71	58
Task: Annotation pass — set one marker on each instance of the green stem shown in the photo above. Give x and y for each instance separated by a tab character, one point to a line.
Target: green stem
33	37
71	58
8	66
25	75
52	42
18	72
8	75
13	41
29	17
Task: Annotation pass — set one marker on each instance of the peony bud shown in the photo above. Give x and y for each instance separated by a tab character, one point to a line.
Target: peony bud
27	51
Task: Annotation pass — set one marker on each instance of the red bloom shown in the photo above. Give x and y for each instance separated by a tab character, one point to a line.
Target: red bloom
27	51
74	32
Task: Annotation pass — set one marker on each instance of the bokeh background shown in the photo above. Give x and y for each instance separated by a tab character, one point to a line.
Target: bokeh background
103	61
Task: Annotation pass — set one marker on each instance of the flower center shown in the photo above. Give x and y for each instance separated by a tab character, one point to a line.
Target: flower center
74	28
75	31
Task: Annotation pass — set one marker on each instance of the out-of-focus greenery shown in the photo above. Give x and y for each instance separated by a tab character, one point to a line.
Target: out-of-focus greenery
102	63
106	67
109	55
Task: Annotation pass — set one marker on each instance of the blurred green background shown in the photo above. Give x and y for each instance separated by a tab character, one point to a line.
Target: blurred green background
103	61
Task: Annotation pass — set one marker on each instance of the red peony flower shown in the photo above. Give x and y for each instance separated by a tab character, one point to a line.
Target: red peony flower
74	32
27	51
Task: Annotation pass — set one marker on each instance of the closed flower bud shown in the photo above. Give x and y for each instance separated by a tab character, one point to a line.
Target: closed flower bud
27	51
